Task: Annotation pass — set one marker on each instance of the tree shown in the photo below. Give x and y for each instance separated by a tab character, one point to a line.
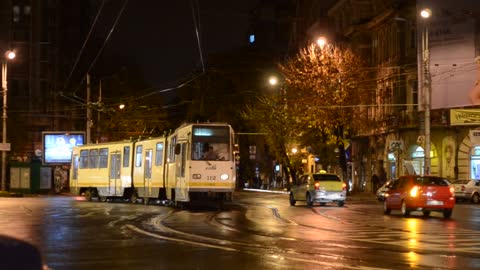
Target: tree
325	91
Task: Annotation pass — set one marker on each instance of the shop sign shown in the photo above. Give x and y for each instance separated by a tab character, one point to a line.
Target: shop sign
395	145
475	136
464	117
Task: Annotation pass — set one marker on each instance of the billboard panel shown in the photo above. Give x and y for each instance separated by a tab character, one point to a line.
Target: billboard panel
453	49
57	146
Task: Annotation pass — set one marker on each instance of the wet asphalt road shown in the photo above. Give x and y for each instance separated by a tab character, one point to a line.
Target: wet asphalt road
257	231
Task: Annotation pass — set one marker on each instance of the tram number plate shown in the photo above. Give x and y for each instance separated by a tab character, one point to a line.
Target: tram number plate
434	202
211	177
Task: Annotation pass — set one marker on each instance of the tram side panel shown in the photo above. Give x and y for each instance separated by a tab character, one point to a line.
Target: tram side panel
148	171
102	170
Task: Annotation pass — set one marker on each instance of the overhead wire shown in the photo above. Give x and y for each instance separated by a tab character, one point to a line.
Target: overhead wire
117	19
84	44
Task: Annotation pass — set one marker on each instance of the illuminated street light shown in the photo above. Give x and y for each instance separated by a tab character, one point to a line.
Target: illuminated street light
294	150
427	88
9	55
321	42
425	13
121	106
273	80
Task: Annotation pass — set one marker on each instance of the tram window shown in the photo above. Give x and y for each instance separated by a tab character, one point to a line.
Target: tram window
171	149
83	159
159	154
205	137
126	156
103	158
138	156
93	158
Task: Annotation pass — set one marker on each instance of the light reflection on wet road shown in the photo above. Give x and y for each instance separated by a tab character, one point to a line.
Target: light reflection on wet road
259	231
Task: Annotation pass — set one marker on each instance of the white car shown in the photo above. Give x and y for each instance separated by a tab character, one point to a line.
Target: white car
467	190
383	189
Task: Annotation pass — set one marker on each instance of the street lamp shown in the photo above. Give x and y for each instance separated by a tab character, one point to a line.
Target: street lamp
427	87
321	41
9	55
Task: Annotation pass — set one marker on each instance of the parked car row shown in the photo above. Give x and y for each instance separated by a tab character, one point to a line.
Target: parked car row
467	190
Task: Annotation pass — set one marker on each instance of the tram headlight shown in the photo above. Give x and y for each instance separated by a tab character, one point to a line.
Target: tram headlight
224	176
197	176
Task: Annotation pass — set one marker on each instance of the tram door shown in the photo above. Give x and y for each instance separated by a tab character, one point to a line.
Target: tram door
114	185
181	187
148	173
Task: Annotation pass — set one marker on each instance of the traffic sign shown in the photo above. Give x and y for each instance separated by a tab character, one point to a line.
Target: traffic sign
4	146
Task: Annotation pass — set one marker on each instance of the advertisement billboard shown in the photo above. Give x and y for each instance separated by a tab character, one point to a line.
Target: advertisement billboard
452	43
57	146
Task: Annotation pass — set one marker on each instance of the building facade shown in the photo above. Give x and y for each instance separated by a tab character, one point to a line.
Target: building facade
389	34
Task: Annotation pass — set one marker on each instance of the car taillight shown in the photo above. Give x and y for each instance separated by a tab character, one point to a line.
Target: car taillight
452	190
414	191
463	188
344	186
317	186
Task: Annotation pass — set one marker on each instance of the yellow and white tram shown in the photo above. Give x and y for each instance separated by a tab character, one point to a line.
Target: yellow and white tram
195	162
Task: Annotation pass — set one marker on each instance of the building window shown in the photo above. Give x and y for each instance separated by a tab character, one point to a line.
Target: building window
16	14
475	163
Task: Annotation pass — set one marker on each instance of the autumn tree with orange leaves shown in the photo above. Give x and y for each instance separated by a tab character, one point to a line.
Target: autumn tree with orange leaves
326	93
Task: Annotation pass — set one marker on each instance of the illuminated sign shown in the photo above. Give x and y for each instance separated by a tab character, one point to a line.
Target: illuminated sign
58	145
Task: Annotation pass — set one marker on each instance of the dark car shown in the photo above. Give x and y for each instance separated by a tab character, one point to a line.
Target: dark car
420	193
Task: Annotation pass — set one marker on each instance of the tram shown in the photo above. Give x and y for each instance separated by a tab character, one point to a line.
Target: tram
195	162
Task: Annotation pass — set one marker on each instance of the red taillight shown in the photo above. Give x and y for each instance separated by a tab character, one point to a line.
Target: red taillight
452	190
463	188
414	191
317	186
344	186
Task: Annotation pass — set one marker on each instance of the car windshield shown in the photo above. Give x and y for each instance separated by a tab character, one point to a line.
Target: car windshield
460	181
325	177
430	181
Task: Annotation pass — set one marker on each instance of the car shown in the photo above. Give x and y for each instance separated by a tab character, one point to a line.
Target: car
420	193
319	187
467	190
384	188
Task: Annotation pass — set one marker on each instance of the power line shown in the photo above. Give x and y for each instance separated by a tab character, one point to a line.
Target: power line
84	43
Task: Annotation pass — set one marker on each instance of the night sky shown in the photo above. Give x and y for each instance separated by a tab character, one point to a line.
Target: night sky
159	36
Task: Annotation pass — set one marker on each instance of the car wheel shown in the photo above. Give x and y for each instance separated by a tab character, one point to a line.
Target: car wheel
386	210
405	210
447	213
292	200
340	203
426	213
475	198
309	200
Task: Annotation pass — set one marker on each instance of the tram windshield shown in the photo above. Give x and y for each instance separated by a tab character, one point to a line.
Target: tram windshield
211	143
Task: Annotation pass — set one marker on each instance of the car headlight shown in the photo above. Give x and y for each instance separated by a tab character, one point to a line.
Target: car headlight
224	176
197	176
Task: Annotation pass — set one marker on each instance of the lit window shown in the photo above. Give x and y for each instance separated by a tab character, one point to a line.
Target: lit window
16	13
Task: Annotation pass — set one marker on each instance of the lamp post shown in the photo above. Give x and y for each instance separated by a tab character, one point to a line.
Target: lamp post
427	88
9	55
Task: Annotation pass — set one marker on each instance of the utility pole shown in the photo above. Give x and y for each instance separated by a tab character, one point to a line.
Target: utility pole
98	111
89	112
